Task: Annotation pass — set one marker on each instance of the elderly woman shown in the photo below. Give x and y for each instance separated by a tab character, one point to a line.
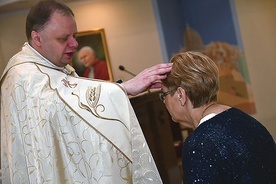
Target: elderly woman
227	145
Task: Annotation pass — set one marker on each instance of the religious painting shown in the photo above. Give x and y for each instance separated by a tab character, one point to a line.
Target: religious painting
91	58
216	34
211	27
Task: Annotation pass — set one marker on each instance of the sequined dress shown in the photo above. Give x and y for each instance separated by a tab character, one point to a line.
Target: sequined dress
231	147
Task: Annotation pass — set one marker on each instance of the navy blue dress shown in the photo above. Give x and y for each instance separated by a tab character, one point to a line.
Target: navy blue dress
231	147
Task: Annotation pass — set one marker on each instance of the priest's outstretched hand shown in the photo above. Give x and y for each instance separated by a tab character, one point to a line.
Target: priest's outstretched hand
149	78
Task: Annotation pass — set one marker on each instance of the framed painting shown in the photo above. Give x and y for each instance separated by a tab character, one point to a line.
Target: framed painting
95	41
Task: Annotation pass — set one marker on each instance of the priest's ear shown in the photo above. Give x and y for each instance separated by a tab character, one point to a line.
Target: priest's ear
36	38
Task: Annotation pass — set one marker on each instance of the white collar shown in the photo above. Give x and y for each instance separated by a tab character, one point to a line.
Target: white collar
207	117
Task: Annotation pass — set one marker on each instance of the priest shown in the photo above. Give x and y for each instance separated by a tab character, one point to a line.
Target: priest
57	127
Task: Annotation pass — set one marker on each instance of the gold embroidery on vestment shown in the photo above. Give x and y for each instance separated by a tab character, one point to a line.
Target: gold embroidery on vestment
92	97
66	83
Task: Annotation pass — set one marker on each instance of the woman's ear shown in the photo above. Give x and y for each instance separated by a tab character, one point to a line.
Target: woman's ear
181	95
36	37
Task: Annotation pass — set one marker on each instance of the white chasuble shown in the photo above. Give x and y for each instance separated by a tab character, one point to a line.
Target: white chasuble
57	128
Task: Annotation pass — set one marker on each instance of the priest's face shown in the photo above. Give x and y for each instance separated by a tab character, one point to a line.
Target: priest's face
56	41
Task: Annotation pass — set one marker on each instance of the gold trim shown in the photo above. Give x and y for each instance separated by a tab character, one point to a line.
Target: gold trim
85	108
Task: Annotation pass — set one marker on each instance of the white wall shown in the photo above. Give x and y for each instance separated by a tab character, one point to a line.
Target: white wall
132	40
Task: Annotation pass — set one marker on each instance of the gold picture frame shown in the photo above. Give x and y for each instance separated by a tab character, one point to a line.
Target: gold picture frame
97	40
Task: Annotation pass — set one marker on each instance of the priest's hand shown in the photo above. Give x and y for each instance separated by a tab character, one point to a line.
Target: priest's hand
147	79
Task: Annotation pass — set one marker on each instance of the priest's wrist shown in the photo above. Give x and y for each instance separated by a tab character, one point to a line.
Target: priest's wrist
120	83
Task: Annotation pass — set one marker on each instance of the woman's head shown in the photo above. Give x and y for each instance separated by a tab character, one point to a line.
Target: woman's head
197	74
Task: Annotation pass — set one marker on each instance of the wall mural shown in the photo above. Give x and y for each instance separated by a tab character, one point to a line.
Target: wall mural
211	27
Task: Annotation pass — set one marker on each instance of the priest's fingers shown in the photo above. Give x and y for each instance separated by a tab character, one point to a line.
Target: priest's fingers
148	78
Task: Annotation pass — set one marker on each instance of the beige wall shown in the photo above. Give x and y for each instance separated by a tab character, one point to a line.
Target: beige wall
257	20
12	35
132	40
130	29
